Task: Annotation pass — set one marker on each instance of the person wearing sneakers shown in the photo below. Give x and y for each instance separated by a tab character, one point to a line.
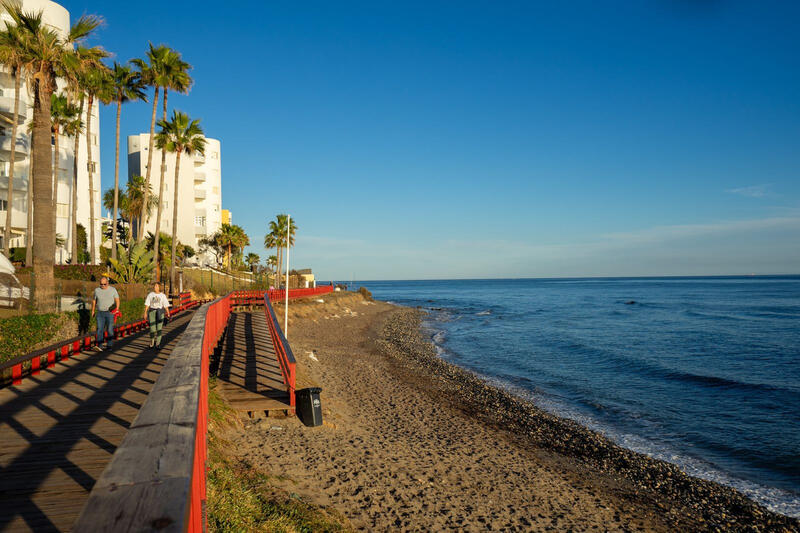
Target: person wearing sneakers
155	311
105	301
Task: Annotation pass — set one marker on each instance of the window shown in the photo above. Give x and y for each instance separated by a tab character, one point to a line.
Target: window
91	167
2	131
199	221
4	168
215	190
62	210
165	204
94	139
214	155
3	205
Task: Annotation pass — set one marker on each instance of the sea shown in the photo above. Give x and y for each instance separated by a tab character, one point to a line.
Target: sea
703	372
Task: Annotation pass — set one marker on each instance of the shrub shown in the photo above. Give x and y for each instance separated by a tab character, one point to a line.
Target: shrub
22	334
365	293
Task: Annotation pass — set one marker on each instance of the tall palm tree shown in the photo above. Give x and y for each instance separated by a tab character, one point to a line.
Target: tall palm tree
62	115
49	53
179	135
151	72
83	60
96	83
12	55
127	86
174	76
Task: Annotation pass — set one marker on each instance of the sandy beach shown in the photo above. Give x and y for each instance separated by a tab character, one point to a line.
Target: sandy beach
413	443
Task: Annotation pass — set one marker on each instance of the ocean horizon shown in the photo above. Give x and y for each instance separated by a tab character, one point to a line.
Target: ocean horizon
698	371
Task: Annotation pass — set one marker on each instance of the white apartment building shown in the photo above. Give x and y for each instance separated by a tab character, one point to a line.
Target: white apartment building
56	17
199	191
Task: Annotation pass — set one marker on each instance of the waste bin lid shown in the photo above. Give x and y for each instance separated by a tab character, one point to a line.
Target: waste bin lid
310	390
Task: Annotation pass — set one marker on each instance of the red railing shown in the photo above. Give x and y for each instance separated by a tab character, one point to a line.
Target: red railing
215	323
47	357
277	295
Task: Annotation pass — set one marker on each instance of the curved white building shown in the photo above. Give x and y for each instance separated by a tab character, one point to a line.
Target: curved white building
199	191
57	17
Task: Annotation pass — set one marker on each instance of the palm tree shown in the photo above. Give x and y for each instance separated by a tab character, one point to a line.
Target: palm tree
179	135
12	55
49	53
252	260
151	74
278	238
96	83
73	129
173	76
62	115
84	59
127	86
272	263
136	192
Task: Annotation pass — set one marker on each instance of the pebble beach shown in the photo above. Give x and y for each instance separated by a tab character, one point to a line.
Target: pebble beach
411	442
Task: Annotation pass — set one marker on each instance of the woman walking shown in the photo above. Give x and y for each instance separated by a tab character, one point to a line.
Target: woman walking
155	312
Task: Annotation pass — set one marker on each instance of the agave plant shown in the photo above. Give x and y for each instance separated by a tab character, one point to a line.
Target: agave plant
134	267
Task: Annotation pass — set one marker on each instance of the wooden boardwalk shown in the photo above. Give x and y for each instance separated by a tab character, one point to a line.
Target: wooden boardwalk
248	373
59	429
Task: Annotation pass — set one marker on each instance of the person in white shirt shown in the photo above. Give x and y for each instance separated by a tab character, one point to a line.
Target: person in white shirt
156	307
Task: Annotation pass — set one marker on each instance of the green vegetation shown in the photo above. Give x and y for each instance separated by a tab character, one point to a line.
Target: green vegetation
241	498
136	267
22	334
25	333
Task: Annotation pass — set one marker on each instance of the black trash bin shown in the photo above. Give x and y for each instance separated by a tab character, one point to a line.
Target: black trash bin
309	407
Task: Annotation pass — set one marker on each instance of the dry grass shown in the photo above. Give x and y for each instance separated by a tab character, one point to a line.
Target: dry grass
242	498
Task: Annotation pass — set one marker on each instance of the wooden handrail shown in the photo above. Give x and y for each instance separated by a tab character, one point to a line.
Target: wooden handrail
157	476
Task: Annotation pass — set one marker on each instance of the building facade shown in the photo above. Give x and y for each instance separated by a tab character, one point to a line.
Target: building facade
199	191
57	18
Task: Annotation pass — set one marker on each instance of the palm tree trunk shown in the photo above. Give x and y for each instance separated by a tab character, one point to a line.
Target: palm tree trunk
146	191
29	226
10	200
157	238
92	248
44	244
54	203
174	221
75	251
116	187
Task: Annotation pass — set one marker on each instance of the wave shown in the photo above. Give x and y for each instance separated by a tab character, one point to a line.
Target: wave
776	499
484	313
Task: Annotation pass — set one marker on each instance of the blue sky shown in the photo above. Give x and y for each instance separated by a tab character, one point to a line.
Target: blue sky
416	140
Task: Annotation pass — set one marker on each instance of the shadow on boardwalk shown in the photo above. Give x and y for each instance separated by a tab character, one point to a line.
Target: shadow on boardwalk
249	376
59	429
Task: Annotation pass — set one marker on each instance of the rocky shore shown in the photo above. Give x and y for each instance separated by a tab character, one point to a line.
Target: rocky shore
686	502
414	443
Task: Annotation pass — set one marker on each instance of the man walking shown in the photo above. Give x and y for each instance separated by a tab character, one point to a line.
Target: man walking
106	300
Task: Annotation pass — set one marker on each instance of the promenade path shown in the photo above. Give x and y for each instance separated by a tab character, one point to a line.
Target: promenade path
59	429
248	373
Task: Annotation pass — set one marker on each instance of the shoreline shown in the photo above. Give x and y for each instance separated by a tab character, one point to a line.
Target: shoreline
711	502
411	441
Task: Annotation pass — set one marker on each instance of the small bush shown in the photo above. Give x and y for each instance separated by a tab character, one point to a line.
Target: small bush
365	293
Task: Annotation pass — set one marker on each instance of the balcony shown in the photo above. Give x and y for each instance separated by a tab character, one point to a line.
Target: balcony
199	194
199	230
22	146
199	159
199	176
7	106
